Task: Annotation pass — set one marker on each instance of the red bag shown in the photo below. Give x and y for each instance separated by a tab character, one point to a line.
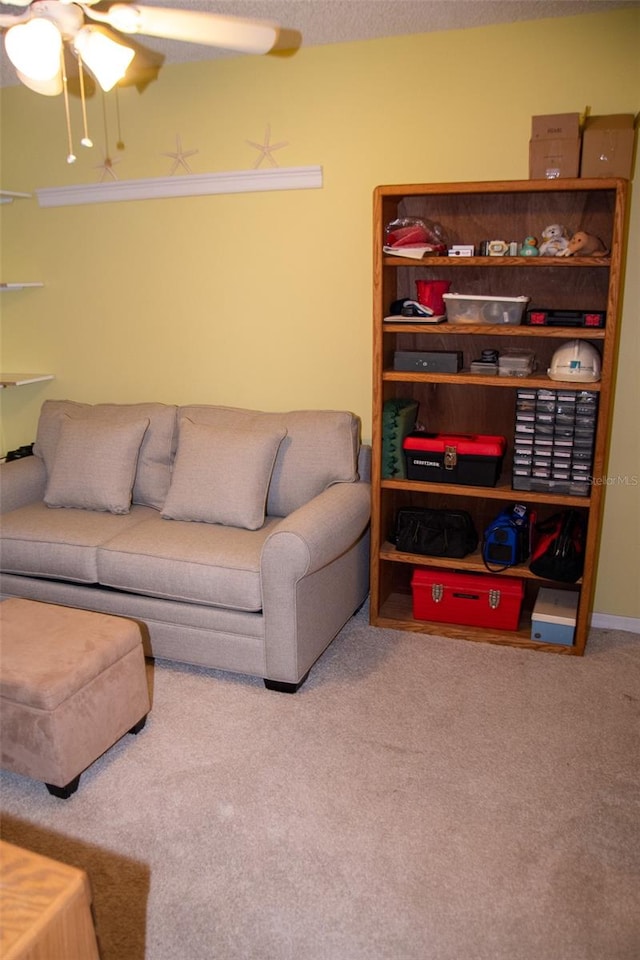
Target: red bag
559	551
405	236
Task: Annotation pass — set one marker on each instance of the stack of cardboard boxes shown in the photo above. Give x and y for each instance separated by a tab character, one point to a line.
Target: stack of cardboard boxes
602	147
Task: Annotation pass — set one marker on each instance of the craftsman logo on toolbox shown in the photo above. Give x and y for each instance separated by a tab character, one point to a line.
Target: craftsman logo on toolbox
474	459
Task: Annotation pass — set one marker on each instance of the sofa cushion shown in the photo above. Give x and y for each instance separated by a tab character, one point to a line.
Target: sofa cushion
320	449
195	562
94	464
60	544
221	475
156	452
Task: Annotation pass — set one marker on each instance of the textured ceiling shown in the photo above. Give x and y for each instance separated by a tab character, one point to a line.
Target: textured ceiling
339	21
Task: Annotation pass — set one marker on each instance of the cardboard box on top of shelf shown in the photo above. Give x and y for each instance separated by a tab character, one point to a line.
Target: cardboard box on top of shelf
554	147
556	126
608	146
553	159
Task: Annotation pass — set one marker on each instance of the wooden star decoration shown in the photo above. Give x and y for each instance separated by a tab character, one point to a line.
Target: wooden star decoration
180	157
106	167
266	149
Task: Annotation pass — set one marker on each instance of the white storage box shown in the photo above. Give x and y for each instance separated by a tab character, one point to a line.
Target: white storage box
471	308
519	364
554	616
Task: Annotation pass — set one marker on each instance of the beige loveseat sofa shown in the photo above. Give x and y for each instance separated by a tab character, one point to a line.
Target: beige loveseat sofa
238	538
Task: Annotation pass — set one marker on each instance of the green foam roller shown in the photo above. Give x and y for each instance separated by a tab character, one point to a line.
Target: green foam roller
398	419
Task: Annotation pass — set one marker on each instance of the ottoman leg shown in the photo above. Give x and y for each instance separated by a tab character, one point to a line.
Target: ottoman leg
137	727
63	793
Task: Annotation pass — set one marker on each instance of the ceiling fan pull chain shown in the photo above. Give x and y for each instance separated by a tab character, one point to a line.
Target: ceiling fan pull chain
86	140
71	157
120	142
105	125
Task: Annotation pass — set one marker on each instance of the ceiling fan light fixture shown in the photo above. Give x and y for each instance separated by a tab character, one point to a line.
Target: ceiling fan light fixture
48	88
107	60
34	49
123	17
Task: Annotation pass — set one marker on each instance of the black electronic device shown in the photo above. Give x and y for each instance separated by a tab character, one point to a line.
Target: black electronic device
431	361
544	317
20	452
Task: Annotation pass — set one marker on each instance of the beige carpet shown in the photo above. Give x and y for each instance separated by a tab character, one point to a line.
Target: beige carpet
418	799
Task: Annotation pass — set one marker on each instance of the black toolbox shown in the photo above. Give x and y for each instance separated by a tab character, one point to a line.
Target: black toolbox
474	459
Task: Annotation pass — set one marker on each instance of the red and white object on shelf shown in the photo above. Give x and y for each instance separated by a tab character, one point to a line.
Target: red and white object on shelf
468	599
474	459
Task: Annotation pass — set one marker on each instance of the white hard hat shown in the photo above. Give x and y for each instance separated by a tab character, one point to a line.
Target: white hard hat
575	360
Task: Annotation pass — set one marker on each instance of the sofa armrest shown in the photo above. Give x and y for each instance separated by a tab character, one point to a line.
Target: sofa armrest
21	482
315	534
315	574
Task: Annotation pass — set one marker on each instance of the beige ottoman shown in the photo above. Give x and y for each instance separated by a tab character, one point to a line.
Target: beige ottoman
72	683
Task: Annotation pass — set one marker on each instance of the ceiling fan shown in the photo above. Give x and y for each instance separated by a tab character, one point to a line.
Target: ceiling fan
98	39
35	37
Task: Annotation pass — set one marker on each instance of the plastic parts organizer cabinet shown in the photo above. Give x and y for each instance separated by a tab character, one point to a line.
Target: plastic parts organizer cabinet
471	403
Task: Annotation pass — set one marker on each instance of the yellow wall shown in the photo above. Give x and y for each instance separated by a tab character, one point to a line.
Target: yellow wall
265	299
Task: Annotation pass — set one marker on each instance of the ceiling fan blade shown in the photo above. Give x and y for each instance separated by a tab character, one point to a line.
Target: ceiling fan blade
145	66
9	20
214	30
287	43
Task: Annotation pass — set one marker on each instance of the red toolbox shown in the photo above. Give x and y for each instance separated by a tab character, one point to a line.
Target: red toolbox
469	599
454	458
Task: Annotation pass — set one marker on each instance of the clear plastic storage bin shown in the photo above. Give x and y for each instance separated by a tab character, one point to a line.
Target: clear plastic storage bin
471	308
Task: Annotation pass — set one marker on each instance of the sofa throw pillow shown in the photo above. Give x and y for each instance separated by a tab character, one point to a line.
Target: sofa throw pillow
221	475
320	449
157	449
94	466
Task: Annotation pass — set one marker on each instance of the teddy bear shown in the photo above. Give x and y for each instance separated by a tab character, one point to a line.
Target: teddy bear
555	240
584	245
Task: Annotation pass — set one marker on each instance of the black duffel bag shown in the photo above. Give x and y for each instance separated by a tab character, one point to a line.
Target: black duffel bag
435	533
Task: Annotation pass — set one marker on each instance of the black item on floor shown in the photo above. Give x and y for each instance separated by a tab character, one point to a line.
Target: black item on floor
435	533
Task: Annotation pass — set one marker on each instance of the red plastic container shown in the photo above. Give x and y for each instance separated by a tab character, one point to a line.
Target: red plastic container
454	458
468	599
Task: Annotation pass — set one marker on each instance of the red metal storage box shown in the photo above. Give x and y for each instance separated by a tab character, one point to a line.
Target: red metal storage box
454	458
469	599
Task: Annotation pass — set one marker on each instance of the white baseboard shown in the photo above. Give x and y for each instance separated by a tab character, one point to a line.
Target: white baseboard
610	622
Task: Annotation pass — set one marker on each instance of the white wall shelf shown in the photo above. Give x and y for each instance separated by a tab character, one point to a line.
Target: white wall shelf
191	185
22	379
20	285
8	196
